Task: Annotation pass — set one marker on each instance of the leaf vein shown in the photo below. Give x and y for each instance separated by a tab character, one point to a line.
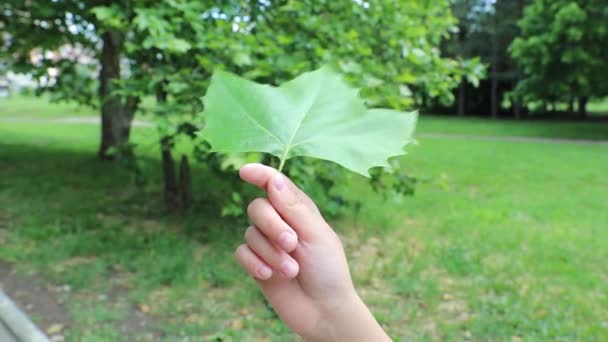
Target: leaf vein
289	145
250	117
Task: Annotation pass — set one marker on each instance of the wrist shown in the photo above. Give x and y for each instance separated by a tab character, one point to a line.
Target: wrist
349	320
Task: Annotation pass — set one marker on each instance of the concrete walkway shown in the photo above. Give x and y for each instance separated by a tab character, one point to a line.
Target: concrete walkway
70	120
513	139
5	334
15	326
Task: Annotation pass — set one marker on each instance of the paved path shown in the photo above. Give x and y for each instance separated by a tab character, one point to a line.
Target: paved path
69	120
513	138
15	326
5	334
141	123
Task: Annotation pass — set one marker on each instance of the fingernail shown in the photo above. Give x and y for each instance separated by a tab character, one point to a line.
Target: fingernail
264	272
287	240
278	180
289	268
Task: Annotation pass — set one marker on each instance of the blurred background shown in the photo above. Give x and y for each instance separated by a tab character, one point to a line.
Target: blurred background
118	224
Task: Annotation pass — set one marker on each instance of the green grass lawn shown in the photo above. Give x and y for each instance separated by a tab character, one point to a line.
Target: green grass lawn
26	106
542	129
599	107
501	241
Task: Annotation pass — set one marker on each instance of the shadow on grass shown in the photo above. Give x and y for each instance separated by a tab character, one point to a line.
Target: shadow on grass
81	220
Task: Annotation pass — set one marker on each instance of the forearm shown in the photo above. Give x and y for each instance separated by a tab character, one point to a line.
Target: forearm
351	321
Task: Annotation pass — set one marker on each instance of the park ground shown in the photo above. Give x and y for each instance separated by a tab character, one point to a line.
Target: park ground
502	241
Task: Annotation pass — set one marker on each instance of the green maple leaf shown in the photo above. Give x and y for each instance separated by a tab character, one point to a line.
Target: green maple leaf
315	115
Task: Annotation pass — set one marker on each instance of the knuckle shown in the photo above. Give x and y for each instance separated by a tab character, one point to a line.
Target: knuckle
294	202
276	227
251	207
284	259
255	205
312	207
240	250
249	233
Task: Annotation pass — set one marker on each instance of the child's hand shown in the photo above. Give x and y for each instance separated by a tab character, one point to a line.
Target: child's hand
299	263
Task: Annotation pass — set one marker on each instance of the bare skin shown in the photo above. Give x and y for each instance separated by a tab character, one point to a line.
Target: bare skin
299	263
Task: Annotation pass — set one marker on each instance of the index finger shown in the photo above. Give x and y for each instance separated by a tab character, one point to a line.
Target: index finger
292	204
257	174
261	176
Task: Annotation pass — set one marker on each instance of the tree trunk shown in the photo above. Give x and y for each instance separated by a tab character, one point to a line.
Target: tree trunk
462	40
171	190
571	105
582	106
494	95
169	177
518	105
461	97
494	98
423	100
515	104
185	183
516	111
116	115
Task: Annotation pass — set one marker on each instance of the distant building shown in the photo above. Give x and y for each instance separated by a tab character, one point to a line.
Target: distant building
12	82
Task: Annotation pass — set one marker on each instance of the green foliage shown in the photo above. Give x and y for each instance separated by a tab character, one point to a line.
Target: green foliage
33	33
170	49
315	115
111	17
387	48
485	31
562	50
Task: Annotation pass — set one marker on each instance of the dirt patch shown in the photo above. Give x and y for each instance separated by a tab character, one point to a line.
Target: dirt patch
138	323
45	304
42	303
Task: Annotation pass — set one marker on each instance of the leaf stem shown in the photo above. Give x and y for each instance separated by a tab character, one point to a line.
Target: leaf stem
284	157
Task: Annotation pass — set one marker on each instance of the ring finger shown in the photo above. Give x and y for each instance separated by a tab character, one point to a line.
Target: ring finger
270	254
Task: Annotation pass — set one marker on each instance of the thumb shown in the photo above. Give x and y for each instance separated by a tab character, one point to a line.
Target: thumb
295	207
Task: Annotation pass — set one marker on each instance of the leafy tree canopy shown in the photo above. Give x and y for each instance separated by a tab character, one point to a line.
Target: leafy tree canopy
562	50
